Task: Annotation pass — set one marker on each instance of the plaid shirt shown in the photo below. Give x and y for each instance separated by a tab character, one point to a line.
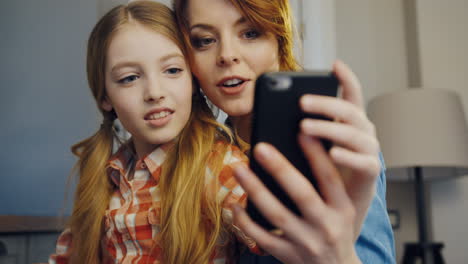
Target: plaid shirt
132	221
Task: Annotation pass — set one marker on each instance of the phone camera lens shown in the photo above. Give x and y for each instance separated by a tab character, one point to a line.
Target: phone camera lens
281	83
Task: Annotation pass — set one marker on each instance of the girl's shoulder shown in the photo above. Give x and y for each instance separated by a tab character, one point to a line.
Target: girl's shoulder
223	159
232	155
228	156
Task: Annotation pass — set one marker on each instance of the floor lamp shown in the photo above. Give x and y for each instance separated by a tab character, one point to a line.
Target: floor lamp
421	130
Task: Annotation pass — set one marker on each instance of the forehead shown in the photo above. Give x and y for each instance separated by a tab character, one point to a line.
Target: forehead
200	11
138	41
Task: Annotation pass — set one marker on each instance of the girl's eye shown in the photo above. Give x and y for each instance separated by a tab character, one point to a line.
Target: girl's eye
128	79
173	71
252	34
202	42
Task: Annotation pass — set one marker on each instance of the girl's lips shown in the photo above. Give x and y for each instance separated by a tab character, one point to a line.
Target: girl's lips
233	90
160	122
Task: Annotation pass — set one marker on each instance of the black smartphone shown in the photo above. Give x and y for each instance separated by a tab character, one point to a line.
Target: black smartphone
276	117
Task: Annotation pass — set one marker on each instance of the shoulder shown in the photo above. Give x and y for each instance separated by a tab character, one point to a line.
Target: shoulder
230	157
230	154
220	174
63	248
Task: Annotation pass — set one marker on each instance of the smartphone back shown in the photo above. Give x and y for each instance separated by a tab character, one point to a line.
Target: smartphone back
276	120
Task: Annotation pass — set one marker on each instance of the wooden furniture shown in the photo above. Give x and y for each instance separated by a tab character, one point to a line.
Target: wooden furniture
28	239
28	224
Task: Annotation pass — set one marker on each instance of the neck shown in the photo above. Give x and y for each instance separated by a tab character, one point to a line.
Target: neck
243	126
142	149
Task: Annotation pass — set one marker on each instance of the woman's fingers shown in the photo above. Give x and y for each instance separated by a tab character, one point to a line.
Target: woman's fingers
283	249
330	183
320	223
268	205
351	88
366	165
341	134
336	109
296	186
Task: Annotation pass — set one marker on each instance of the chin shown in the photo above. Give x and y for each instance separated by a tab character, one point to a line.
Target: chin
163	139
239	110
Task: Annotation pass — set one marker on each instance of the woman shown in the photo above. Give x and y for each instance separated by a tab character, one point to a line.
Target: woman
232	43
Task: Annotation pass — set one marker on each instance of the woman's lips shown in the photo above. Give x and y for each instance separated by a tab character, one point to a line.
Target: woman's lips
233	90
232	85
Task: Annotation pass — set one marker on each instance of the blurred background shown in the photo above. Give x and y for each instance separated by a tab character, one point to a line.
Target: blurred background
46	106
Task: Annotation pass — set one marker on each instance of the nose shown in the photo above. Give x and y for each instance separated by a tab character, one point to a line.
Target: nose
153	91
228	54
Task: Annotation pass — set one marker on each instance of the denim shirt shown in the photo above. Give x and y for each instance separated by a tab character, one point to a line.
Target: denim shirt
375	244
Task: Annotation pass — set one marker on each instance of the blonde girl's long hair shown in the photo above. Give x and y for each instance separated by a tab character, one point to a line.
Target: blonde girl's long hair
268	15
186	207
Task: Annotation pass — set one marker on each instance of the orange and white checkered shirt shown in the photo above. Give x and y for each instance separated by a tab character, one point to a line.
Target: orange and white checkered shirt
132	221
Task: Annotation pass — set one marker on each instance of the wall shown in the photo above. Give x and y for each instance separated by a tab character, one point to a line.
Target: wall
318	34
106	5
371	39
443	39
45	105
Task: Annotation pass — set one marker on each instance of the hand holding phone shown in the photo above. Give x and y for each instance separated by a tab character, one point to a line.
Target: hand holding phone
276	118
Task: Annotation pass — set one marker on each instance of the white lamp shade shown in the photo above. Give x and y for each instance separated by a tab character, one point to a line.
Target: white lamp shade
421	128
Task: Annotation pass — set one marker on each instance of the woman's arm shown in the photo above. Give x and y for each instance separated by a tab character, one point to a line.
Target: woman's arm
375	243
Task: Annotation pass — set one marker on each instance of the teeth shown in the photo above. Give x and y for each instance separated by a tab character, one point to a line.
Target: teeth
232	82
159	115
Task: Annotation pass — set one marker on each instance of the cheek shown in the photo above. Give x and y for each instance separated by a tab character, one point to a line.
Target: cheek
124	111
263	57
183	93
125	104
201	66
204	70
267	58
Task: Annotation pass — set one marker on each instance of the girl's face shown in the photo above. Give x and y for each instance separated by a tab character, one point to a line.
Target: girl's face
229	54
149	85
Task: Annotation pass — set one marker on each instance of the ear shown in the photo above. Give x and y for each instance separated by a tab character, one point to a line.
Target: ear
106	105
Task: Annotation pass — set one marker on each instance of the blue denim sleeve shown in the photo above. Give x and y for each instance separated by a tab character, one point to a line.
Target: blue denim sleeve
375	244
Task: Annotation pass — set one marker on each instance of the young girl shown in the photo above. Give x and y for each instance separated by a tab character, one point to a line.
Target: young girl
165	195
231	43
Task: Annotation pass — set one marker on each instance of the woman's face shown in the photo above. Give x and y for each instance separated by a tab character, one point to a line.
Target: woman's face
229	54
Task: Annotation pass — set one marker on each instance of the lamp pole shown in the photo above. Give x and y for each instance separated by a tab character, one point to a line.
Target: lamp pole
421	210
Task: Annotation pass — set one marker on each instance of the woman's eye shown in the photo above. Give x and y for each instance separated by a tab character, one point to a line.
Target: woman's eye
202	42
252	34
128	79
173	71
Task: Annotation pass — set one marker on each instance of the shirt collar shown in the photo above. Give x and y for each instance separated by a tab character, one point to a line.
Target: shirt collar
122	161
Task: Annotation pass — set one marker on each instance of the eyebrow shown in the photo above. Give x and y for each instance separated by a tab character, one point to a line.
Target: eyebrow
170	56
136	64
122	65
240	21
